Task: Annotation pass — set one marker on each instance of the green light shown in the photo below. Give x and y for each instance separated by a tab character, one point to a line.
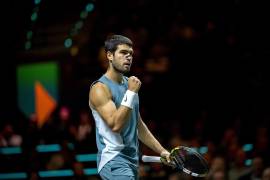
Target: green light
90	171
29	34
247	147
194	148
79	25
248	162
84	14
27	45
89	7
37	1
56	173
48	148
68	43
86	157
10	150
203	149
18	175
34	16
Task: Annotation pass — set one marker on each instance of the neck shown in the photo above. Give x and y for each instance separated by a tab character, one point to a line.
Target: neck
114	75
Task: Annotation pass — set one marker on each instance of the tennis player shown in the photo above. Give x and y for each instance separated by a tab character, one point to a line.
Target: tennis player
114	103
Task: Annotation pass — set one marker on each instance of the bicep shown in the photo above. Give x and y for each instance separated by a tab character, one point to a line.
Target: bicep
100	99
106	110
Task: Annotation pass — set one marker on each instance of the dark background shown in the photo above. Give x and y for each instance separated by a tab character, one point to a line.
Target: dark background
222	69
217	55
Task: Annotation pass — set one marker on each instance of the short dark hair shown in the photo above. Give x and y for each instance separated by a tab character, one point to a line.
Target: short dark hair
113	41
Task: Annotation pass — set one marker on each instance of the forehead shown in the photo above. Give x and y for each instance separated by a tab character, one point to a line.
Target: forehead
124	47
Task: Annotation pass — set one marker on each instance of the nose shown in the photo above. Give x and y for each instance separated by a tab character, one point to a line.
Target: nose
129	57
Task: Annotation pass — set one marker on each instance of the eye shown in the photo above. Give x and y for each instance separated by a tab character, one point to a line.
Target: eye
125	52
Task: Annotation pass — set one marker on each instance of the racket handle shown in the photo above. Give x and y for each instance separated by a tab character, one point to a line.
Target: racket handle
151	159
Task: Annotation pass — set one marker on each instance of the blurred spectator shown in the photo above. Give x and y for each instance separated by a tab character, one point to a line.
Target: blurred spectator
9	138
55	162
211	150
102	59
64	122
85	127
56	129
84	136
237	167
230	144
78	172
255	172
218	175
3	141
261	145
266	174
218	168
175	141
179	176
32	136
33	176
144	171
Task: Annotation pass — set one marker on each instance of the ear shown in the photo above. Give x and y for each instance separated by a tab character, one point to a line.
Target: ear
109	56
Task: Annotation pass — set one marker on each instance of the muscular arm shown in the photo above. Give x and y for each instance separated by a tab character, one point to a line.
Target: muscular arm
148	139
101	99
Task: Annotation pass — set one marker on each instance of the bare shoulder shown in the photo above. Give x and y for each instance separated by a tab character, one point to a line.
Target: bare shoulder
99	94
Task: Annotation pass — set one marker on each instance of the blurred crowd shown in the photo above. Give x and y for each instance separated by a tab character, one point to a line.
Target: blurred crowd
228	158
74	135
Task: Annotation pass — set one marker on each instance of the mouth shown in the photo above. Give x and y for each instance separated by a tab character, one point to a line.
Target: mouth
127	64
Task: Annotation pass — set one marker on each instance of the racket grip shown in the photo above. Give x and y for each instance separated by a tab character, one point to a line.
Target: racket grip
151	159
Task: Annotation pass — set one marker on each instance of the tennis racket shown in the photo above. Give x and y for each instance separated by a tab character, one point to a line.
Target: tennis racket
184	159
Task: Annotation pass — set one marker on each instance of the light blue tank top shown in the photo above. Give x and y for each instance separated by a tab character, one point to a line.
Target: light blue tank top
120	147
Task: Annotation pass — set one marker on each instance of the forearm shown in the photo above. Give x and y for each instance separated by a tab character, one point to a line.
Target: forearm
148	138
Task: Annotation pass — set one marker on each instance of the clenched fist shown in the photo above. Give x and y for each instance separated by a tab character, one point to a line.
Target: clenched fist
134	84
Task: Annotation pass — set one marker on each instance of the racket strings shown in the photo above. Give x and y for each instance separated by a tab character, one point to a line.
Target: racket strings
190	161
196	164
179	164
178	159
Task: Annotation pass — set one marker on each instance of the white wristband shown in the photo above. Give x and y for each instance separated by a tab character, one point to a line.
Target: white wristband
128	99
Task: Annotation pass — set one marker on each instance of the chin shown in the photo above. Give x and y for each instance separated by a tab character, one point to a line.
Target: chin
125	70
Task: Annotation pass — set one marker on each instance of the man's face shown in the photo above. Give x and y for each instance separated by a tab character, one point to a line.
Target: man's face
122	58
